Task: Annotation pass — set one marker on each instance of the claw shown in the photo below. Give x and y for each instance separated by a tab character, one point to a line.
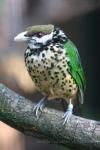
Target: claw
39	106
68	113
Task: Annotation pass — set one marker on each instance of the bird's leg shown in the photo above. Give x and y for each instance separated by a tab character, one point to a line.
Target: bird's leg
39	106
68	112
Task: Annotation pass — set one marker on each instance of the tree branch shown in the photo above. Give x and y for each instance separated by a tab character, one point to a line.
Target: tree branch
17	112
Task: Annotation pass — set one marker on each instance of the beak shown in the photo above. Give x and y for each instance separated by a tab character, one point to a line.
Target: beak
21	37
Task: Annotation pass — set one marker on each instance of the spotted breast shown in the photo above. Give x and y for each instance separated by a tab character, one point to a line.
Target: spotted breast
48	69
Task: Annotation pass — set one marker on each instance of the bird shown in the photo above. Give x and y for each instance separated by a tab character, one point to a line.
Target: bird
54	65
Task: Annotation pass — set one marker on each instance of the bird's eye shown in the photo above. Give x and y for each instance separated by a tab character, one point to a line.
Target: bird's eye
39	34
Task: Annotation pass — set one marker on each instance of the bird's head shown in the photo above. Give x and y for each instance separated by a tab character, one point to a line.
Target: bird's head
37	36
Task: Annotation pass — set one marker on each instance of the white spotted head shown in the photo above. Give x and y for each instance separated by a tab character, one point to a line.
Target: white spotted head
37	36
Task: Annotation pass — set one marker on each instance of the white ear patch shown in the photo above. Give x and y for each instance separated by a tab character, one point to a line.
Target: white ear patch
43	39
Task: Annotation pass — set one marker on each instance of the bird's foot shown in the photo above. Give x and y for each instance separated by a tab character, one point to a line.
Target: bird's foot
39	106
68	112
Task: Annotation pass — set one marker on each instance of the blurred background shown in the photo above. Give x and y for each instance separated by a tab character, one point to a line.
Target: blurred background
81	22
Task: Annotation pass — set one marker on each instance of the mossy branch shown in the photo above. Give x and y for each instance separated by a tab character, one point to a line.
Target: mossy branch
79	133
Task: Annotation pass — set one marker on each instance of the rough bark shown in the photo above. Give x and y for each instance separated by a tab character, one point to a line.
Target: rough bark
79	133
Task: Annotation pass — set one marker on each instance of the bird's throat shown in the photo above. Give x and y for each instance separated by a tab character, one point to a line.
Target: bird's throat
34	46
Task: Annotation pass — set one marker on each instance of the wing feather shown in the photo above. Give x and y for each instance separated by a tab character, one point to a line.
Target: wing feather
75	68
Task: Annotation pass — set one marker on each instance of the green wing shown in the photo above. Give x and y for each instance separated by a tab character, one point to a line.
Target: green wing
75	68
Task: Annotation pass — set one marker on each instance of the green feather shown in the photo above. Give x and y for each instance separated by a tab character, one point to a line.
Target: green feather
75	67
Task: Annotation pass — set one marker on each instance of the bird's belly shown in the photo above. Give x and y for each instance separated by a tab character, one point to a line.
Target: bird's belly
50	74
53	82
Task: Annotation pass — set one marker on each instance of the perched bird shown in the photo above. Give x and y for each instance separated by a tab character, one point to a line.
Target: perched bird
54	65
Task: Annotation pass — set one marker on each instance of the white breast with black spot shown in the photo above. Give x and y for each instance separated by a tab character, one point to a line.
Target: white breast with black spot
49	68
